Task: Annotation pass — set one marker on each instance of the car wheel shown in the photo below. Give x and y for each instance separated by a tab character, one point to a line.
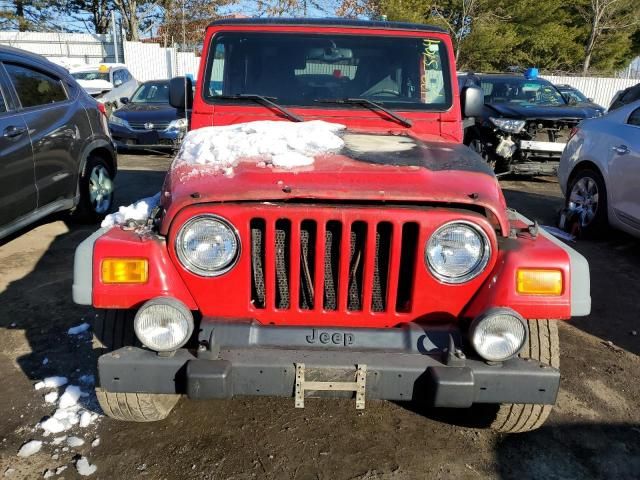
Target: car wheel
113	329
586	198
96	191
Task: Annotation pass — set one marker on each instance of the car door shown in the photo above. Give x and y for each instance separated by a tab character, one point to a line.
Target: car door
18	195
52	118
625	170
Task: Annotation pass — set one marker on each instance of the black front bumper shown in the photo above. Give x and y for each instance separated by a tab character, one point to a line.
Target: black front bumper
408	363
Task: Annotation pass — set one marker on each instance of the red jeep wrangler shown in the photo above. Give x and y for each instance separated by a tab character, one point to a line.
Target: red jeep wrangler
390	269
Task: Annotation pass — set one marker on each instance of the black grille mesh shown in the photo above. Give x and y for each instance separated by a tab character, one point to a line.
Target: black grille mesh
283	229
307	264
257	263
331	265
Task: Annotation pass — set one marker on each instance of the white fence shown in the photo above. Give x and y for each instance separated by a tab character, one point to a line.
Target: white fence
65	48
150	61
601	90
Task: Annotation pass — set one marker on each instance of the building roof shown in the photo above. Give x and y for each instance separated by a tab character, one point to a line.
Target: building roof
329	22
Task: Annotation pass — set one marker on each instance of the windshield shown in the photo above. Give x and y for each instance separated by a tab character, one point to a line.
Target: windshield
92	75
300	69
577	95
520	91
156	92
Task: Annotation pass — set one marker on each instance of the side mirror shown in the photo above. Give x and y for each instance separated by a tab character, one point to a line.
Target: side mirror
124	100
590	99
472	100
181	93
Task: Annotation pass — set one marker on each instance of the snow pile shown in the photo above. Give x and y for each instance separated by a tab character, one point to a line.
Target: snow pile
68	414
51	382
84	467
137	211
30	448
281	144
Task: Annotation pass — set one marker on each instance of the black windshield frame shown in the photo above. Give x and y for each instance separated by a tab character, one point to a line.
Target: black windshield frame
404	105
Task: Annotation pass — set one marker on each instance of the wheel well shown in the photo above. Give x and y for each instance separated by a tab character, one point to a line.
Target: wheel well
583	165
105	154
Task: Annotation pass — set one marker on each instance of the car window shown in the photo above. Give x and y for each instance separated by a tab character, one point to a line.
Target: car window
634	118
156	92
126	76
632	95
3	105
91	75
34	87
118	76
520	91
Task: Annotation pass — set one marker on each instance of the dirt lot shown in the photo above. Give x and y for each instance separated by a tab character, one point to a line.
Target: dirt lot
594	431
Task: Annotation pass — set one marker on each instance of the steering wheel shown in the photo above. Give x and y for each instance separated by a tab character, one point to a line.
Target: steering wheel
383	91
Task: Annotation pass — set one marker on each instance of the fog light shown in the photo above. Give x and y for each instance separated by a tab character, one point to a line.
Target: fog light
531	281
124	270
498	335
163	324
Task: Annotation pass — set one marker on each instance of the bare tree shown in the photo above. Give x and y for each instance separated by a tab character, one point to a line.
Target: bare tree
604	16
94	14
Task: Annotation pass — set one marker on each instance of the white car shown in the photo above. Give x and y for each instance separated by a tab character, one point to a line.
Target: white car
106	82
599	171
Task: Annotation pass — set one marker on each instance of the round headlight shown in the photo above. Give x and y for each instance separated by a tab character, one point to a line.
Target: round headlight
163	324
208	245
498	335
457	252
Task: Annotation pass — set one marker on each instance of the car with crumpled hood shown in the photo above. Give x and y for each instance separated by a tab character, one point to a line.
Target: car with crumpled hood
525	123
323	231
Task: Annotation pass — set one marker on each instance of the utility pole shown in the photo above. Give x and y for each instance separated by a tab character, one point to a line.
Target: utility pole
114	34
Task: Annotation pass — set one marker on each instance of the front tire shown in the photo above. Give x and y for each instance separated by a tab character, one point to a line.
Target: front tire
113	329
543	345
96	191
587	198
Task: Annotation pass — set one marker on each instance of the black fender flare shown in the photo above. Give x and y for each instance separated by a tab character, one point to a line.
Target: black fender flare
86	152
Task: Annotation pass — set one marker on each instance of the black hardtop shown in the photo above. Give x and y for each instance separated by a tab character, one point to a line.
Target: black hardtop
329	22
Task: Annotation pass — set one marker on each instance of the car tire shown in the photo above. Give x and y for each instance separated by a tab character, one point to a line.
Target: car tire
96	191
113	329
543	344
588	179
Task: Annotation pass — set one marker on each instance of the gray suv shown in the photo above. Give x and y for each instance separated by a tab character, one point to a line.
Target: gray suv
55	150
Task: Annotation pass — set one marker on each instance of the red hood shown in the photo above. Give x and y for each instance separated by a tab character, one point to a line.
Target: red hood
434	172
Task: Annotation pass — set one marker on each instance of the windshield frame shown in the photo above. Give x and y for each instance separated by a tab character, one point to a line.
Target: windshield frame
396	106
493	80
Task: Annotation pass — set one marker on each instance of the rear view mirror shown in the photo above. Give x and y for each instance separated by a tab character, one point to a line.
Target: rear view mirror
330	54
181	93
472	100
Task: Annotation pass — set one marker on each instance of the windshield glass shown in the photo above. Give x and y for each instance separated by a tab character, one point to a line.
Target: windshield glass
92	75
577	95
521	91
156	92
299	69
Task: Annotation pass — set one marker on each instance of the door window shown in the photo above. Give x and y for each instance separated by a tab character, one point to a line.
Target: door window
35	88
3	105
119	78
634	118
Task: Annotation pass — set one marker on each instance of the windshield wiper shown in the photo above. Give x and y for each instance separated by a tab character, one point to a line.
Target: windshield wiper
372	105
269	101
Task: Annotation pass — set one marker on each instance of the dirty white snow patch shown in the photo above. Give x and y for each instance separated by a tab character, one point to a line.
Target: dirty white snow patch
29	448
84	467
51	397
75	442
51	382
138	211
59	440
282	144
78	329
70	397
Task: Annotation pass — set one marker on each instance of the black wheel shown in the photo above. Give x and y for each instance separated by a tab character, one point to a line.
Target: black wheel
586	198
543	345
96	191
113	329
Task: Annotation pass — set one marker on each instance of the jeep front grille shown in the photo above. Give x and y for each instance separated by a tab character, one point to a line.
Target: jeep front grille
333	265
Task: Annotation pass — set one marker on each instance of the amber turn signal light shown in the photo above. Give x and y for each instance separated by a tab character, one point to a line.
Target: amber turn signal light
533	281
124	270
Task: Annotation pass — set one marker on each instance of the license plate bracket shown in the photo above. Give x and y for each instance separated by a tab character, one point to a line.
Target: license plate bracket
358	386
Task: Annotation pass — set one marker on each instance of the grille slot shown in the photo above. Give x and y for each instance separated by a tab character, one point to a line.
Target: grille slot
282	255
257	227
157	126
408	255
354	266
333	237
308	233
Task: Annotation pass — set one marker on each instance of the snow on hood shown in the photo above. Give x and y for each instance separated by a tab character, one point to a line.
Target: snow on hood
281	144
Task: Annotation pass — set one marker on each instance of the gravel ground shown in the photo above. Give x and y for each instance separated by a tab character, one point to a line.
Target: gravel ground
594	431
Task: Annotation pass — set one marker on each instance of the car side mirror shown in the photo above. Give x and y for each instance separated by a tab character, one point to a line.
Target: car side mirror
472	100
124	100
590	99
181	93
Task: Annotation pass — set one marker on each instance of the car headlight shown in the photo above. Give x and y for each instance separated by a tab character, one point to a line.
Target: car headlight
508	124
116	120
457	252
179	124
208	245
498	334
163	324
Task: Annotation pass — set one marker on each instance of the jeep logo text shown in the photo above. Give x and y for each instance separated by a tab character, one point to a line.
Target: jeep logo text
325	338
